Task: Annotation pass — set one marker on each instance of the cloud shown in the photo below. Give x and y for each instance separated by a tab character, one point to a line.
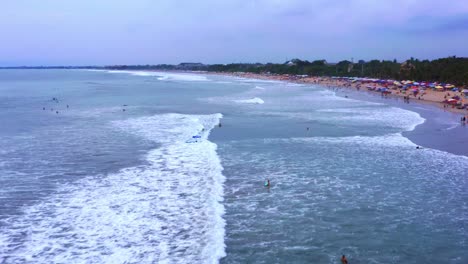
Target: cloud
169	31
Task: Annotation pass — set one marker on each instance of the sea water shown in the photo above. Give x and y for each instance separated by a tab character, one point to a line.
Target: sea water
152	167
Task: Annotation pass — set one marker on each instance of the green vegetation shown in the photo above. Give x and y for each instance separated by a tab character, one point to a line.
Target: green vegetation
449	70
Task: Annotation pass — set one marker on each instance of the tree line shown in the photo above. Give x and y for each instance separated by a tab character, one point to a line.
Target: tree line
448	70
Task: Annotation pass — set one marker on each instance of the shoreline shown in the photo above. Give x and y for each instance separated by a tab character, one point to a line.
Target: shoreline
442	129
434	98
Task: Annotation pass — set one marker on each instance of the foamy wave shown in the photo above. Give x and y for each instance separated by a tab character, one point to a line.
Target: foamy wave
259	88
390	116
254	100
389	140
163	76
135	73
168	211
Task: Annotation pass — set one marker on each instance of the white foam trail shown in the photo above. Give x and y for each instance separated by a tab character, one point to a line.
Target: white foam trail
259	88
167	211
254	100
454	125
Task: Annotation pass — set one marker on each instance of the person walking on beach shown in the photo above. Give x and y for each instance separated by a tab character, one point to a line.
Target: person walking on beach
344	260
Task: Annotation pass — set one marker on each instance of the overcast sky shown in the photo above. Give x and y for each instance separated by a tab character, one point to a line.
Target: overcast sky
102	32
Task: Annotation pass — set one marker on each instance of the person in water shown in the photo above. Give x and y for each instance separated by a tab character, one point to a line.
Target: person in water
267	183
344	260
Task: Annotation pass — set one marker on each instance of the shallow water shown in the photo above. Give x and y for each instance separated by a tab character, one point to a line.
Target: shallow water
95	183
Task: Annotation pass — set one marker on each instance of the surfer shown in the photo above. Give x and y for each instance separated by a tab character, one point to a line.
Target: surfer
418	147
267	183
344	260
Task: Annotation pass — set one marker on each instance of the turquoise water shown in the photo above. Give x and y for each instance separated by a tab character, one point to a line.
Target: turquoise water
117	177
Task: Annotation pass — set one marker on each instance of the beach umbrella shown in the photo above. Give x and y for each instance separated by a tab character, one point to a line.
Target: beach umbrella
415	83
454	89
438	87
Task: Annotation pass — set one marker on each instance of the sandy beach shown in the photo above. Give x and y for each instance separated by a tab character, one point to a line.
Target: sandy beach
427	96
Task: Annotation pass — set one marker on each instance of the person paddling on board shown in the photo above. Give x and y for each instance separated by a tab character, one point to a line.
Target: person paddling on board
267	183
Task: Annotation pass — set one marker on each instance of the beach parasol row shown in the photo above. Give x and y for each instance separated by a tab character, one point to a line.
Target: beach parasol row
405	84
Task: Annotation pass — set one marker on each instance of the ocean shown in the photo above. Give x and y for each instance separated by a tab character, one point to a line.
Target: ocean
156	167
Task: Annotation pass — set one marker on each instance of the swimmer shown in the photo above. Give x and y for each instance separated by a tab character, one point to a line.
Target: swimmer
418	147
344	260
267	183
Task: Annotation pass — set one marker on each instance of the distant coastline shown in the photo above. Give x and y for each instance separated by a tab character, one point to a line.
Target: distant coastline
452	70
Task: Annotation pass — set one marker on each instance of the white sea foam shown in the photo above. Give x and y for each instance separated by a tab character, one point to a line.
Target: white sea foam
167	211
163	76
254	100
389	140
452	126
259	88
389	116
379	116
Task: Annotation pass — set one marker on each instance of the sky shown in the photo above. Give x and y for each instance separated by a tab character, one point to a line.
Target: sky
107	32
